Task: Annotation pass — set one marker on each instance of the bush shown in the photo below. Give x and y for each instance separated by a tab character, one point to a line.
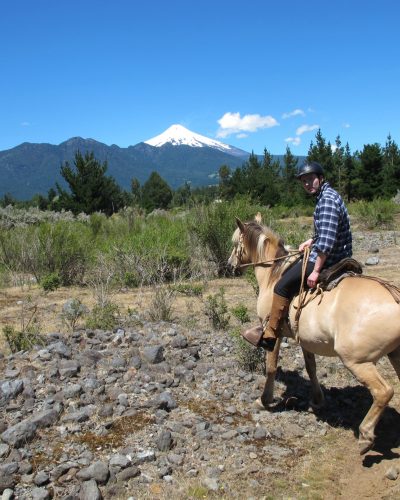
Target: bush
214	225
241	313
160	307
72	311
22	340
189	289
249	357
375	214
50	282
103	317
217	310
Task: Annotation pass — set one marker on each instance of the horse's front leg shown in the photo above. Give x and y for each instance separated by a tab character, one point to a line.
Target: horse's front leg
267	397
317	395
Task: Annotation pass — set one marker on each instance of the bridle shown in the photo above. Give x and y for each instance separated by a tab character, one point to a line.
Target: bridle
265	263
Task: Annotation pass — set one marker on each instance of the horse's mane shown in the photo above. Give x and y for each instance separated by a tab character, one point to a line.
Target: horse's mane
255	237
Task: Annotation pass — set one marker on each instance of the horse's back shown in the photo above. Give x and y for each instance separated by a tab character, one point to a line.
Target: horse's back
358	318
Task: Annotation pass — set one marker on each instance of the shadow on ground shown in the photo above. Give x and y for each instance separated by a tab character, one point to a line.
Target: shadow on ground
345	407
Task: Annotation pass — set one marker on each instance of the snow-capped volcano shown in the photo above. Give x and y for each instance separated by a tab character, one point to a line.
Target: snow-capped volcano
177	135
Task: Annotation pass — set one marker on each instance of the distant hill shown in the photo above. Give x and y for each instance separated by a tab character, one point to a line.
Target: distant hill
178	155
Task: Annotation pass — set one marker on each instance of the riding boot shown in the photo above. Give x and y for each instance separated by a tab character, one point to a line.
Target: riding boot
271	331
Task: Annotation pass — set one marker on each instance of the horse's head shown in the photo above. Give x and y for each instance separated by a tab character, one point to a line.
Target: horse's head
254	243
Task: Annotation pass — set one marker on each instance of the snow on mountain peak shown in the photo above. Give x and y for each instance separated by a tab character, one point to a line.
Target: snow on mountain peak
177	135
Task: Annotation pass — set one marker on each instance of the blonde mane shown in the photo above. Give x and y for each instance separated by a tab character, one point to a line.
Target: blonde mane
255	237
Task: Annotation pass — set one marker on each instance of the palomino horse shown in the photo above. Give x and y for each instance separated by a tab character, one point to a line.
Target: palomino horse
358	321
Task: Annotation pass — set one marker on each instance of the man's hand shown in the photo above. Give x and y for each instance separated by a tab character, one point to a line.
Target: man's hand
312	280
305	244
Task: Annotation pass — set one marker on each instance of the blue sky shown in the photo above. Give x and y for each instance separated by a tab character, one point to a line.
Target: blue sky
254	74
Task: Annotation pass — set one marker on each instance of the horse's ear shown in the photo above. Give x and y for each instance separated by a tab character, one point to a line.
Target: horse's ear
258	218
240	224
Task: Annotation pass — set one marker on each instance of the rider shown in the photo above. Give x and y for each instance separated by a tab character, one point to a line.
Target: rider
332	242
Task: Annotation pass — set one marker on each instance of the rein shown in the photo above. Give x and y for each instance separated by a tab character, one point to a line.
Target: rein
269	263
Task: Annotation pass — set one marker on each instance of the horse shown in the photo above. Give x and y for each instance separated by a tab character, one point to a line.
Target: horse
357	321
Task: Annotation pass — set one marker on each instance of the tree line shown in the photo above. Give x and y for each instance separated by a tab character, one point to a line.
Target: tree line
371	173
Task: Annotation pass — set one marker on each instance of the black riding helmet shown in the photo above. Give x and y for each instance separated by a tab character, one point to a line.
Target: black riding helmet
311	167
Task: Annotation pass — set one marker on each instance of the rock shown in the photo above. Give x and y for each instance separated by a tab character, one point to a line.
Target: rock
8	494
9	389
372	261
4	449
392	473
77	416
41	478
60	348
164	441
98	471
128	473
179	342
90	491
19	434
145	456
166	401
69	368
72	391
6	482
211	483
118	460
45	418
40	494
154	354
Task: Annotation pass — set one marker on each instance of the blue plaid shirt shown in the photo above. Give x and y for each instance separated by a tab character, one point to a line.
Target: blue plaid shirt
332	235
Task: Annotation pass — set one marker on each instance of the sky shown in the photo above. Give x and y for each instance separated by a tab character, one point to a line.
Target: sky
255	74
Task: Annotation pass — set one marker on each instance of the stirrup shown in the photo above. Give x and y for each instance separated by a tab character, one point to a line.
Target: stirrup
255	337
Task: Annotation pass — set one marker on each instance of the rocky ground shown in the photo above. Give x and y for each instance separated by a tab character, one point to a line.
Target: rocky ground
165	410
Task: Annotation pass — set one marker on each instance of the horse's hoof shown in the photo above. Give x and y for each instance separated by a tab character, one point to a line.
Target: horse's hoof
260	405
365	445
316	406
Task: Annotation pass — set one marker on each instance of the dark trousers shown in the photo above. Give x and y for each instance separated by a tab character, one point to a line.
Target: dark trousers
289	284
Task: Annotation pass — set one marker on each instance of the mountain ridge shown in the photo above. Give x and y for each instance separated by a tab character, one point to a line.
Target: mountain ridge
34	168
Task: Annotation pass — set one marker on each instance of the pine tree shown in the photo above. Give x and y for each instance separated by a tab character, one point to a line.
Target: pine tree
90	189
321	152
369	172
391	168
156	193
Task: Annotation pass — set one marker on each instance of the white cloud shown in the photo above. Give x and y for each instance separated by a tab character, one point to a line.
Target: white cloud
293	140
233	123
25	124
333	148
306	128
296	112
346	125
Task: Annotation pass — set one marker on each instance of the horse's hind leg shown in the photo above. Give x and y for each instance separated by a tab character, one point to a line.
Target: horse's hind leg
394	358
317	394
267	397
381	392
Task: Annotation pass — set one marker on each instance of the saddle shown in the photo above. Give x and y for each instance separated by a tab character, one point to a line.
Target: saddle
331	276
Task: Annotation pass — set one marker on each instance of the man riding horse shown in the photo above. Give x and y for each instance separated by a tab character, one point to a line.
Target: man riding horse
332	242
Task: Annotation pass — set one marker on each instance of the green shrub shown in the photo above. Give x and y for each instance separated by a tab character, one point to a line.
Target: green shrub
160	307
188	289
216	310
131	280
22	340
50	282
375	214
103	317
249	357
241	313
214	224
72	311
